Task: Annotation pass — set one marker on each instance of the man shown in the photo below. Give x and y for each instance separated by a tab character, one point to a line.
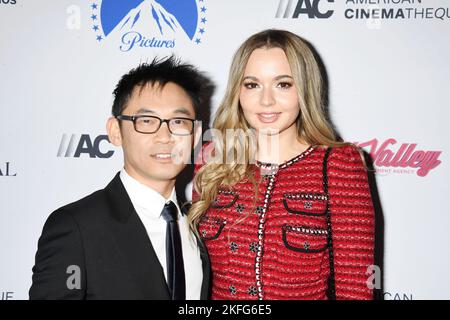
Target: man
131	240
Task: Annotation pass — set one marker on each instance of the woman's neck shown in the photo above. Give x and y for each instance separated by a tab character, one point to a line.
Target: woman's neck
280	147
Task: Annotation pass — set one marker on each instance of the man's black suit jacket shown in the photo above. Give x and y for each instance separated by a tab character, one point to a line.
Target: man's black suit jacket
103	236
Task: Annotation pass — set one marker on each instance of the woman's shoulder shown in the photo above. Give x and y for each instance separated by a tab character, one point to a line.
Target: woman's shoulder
347	155
347	149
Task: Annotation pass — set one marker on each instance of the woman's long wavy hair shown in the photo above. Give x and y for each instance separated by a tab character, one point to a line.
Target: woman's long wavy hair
312	125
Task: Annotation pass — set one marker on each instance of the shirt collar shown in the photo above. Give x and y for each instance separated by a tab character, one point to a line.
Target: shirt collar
145	197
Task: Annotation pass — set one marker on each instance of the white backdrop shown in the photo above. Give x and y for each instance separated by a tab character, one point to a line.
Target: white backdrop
388	78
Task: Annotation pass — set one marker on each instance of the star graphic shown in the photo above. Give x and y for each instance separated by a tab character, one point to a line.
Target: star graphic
95	28
202	30
203	9
99	38
204	20
94	17
197	41
94	6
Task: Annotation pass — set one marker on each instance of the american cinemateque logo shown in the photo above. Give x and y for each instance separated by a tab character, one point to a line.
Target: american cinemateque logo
75	145
311	8
369	10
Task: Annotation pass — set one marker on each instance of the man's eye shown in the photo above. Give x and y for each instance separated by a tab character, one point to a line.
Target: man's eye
147	121
250	85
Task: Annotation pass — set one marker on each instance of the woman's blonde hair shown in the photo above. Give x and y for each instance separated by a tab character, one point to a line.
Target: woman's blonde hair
312	124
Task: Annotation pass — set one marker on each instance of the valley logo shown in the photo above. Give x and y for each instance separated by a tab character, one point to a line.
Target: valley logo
153	24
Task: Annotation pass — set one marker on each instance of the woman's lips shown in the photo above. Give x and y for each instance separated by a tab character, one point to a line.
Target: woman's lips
268	117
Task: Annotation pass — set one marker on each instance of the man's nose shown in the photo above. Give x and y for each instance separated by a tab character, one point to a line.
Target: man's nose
163	134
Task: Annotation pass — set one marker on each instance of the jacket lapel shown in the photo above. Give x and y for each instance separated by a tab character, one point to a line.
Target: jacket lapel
206	284
135	245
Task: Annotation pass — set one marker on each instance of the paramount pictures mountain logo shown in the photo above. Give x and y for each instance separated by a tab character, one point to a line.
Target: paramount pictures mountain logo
149	24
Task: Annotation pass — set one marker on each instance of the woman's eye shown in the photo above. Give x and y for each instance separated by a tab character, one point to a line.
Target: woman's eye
250	85
284	85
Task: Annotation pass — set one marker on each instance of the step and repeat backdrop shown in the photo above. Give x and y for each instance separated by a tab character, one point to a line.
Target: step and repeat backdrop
387	64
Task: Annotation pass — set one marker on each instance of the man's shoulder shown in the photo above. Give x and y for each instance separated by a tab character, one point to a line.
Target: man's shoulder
84	210
94	206
89	202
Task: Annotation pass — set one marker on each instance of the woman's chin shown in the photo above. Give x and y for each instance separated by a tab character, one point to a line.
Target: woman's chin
268	131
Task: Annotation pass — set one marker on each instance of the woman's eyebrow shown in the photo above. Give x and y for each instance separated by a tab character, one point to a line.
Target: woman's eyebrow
276	78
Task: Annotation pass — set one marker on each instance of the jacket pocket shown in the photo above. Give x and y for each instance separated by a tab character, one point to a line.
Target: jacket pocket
304	239
309	204
225	199
211	228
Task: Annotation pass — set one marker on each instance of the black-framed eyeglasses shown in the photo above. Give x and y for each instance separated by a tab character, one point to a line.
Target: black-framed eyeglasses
150	124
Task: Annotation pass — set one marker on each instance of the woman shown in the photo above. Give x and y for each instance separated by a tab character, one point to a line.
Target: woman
297	223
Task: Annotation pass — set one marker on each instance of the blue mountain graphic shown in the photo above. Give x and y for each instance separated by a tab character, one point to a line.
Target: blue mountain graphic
112	13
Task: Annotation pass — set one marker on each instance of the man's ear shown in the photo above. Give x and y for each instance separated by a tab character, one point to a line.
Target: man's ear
114	134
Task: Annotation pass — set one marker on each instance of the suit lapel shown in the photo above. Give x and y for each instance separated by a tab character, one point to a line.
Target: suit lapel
134	243
206	284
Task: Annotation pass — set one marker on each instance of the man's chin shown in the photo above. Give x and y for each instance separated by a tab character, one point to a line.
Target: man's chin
163	178
166	171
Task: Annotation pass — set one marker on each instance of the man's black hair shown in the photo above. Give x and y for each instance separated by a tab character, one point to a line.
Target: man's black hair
161	71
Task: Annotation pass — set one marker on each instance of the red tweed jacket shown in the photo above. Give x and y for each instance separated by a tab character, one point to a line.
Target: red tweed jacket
280	248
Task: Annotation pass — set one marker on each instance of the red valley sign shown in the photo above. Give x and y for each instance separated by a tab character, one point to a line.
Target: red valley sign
406	156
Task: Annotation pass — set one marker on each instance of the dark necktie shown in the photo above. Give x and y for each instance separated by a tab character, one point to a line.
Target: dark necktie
174	254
